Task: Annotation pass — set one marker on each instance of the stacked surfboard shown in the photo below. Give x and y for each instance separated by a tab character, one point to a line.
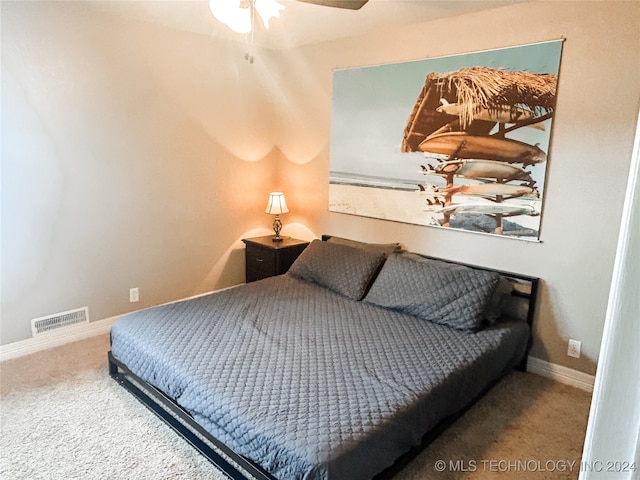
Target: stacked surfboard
490	168
469	125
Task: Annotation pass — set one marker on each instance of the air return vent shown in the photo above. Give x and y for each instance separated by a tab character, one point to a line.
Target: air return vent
59	320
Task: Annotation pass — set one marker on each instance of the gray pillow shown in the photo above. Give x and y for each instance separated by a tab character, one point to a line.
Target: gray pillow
494	306
433	290
340	268
386	248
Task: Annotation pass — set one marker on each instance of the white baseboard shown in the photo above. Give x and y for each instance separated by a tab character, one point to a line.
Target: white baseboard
565	375
56	338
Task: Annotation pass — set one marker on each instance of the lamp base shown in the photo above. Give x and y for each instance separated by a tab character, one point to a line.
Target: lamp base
277	226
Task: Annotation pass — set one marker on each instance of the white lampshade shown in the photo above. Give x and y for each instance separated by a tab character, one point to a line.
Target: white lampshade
276	204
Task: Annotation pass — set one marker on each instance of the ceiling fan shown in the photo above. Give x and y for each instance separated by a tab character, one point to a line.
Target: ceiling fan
239	15
350	4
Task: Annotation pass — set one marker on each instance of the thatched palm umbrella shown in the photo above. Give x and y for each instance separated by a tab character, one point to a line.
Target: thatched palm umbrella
476	90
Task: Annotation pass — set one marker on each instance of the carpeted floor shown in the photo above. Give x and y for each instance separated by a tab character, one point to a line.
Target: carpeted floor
63	417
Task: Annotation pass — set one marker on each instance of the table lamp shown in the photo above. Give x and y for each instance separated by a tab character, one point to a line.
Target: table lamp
276	206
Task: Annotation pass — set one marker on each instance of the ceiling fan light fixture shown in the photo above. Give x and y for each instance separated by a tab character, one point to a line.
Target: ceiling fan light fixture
267	9
238	14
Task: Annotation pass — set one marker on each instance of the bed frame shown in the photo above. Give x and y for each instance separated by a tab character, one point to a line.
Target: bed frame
521	304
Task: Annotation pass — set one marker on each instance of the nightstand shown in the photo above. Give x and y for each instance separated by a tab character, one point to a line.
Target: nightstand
266	258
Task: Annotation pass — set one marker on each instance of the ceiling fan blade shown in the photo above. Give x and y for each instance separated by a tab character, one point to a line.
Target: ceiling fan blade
350	4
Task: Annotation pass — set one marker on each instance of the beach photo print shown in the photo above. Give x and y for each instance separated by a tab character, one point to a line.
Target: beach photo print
457	142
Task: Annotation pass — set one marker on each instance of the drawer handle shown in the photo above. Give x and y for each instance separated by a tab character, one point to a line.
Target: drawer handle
258	259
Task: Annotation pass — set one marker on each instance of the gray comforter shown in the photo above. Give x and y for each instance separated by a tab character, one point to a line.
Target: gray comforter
307	383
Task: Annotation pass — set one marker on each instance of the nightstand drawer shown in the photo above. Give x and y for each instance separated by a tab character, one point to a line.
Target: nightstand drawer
253	275
260	259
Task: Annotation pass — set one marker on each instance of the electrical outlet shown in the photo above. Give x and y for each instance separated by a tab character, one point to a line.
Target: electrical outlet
134	295
574	348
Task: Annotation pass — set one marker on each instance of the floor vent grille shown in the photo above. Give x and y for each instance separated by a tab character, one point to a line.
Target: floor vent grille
59	320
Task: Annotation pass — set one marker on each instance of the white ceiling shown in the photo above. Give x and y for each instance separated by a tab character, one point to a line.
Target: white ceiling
300	23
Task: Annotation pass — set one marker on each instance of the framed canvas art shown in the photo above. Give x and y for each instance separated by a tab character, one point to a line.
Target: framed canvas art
458	142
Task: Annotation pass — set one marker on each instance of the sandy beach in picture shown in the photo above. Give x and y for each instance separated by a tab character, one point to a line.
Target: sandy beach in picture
411	207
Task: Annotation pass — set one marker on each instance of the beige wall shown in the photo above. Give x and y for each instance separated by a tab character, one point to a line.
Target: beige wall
132	156
137	156
592	138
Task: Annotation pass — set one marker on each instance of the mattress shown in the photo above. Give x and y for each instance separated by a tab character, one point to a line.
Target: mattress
307	383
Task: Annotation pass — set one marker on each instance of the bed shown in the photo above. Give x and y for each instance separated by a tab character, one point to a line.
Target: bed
343	368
